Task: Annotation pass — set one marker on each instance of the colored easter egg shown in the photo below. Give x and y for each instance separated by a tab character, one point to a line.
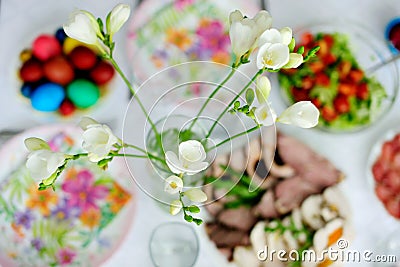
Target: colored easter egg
25	55
31	71
83	58
60	35
70	44
59	70
102	73
45	47
47	97
67	108
83	93
26	90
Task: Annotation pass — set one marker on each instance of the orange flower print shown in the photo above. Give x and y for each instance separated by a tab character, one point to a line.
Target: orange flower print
90	217
18	230
117	198
221	57
41	200
179	37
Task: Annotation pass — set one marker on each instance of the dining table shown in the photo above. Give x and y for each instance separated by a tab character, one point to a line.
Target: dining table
349	152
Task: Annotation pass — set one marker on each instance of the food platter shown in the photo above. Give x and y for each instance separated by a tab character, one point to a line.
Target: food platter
89	211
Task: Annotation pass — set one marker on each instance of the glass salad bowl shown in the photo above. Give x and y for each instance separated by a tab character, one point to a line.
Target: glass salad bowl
345	79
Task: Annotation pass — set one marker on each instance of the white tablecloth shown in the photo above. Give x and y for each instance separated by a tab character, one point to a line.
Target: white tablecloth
347	151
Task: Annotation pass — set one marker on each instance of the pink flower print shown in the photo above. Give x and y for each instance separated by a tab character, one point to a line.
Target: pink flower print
65	256
181	4
81	191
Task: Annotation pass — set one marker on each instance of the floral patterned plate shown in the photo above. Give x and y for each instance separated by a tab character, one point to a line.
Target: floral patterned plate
163	33
81	223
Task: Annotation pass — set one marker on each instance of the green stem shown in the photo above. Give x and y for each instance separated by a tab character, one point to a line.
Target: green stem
121	73
233	137
234	68
130	156
233	101
150	155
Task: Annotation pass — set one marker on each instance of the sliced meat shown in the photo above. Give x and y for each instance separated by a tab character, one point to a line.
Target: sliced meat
227	238
266	207
308	164
241	218
291	192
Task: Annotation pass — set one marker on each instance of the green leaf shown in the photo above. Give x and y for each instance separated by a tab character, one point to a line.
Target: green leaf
249	96
101	26
194	209
188	218
311	53
292	44
198	221
300	50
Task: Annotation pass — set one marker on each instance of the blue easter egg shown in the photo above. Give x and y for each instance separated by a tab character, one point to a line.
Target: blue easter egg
60	35
26	90
47	97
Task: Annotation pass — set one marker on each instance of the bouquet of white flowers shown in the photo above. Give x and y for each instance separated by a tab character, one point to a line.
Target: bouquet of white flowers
275	51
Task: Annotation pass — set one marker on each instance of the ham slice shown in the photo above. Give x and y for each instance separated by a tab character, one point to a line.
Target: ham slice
266	207
312	167
290	193
227	238
241	218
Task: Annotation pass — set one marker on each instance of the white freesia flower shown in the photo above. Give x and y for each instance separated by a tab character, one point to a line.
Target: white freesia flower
83	27
175	207
302	114
242	33
265	115
86	121
196	195
273	36
42	163
274	52
34	143
190	160
272	56
263	88
98	139
117	17
263	21
173	184
295	60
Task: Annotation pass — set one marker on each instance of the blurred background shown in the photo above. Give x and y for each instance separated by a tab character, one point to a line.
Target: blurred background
349	151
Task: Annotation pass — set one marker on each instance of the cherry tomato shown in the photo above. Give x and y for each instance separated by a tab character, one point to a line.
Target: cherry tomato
341	104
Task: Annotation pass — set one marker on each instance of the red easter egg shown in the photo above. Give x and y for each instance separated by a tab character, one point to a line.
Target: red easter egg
102	73
83	58
59	70
45	47
67	108
31	71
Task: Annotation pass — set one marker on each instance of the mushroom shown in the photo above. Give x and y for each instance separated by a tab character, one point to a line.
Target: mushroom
282	171
258	237
245	257
290	240
336	201
328	235
310	211
296	218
